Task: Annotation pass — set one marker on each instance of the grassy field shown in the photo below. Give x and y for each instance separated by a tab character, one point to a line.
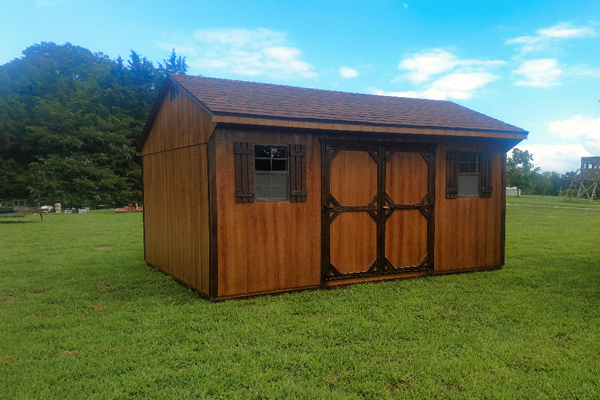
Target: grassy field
82	316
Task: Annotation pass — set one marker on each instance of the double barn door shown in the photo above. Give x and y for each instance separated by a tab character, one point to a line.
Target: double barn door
377	209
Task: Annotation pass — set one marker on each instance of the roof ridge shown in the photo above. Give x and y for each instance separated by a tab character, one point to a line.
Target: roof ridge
268	100
310	89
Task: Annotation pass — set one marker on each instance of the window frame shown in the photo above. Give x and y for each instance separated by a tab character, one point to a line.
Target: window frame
477	172
272	172
484	166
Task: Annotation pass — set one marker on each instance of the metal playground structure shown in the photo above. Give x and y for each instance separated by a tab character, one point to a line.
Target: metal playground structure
586	182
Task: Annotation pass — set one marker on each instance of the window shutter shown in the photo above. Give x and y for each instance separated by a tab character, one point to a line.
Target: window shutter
451	174
297	173
486	174
244	172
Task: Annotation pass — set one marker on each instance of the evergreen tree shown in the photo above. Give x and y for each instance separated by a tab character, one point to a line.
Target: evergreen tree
174	65
69	121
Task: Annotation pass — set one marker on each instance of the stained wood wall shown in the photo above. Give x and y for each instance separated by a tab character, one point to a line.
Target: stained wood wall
176	214
176	202
179	123
266	246
468	230
271	246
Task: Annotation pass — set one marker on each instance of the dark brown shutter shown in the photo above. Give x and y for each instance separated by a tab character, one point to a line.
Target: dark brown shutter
451	174
297	173
244	172
486	173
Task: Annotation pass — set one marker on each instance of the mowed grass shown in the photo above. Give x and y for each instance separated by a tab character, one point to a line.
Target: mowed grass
82	316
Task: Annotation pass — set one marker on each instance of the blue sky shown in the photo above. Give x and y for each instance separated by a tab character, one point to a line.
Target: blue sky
533	64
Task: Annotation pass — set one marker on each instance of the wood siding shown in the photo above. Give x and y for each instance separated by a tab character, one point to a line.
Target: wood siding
266	246
468	230
177	124
176	214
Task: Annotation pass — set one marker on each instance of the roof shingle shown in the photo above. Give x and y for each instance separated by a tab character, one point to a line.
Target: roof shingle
229	97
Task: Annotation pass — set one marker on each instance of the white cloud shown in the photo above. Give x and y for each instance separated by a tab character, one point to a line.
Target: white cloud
246	52
584	129
582	71
443	75
380	92
558	158
454	86
545	37
422	66
347	72
539	73
460	85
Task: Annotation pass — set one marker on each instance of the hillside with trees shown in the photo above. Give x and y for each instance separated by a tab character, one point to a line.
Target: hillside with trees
69	121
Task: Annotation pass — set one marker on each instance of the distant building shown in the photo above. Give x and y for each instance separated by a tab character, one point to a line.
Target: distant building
513	191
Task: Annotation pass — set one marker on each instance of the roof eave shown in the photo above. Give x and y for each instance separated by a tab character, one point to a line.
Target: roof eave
340	125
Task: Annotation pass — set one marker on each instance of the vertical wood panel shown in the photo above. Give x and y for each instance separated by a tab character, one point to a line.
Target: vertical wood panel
176	214
468	230
179	123
353	242
353	178
407	178
266	246
406	238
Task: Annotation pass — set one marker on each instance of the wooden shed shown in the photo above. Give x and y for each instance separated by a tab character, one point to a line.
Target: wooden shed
254	188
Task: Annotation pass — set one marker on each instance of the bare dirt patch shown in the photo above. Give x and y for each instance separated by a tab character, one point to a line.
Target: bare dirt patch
97	307
103	248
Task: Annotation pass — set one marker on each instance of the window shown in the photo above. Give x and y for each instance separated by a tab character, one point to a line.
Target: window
271	178
270	172
468	174
174	92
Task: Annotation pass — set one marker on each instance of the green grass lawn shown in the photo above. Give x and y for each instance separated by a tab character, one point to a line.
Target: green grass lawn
82	316
550	201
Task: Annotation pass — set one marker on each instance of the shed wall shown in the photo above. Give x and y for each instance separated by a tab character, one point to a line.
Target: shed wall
266	246
176	214
178	123
271	246
468	229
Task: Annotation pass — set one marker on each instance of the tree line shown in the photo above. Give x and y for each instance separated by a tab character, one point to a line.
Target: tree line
521	173
69	121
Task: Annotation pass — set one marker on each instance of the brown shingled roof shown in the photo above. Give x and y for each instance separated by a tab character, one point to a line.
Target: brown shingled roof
249	99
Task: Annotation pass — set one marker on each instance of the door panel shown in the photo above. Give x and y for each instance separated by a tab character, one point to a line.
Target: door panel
406	238
353	178
406	177
353	250
378	215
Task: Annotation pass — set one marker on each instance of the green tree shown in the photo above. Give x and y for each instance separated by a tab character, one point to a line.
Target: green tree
173	65
520	170
69	121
